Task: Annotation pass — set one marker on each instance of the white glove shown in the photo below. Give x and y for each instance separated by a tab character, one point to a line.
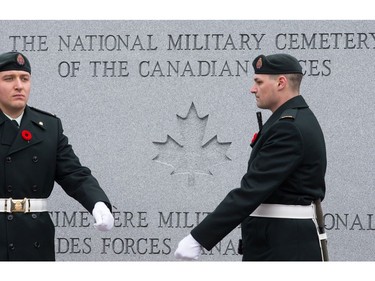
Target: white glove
188	249
103	217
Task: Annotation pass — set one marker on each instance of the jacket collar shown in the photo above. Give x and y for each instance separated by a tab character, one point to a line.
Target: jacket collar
30	122
31	117
28	116
295	102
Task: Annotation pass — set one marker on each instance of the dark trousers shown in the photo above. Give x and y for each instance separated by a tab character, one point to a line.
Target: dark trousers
274	239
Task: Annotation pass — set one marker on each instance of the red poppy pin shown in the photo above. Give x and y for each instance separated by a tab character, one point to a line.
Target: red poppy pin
26	135
254	139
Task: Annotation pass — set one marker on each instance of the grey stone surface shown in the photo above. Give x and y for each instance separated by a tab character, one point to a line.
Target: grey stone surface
125	89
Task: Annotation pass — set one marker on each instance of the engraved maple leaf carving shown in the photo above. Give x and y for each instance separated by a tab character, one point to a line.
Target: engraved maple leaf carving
191	156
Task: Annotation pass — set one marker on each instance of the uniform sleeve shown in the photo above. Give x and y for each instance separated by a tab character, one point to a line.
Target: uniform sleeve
280	153
76	180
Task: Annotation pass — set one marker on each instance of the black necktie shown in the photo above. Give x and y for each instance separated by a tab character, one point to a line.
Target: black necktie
15	123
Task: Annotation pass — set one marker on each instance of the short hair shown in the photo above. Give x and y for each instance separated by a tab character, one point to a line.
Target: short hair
295	80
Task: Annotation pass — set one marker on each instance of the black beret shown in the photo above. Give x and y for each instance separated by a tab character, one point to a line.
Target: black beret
276	64
14	61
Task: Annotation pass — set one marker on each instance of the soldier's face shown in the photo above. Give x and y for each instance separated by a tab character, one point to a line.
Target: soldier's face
264	89
14	91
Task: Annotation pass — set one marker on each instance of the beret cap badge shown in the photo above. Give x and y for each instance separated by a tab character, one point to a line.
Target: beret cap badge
259	63
20	60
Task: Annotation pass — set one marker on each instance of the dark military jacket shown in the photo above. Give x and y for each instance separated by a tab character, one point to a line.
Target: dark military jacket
29	168
287	166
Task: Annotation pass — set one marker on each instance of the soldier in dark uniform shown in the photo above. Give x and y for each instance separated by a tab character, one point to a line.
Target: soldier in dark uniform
35	153
285	176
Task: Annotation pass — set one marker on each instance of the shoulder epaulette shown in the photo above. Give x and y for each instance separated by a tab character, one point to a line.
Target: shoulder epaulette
42	111
290	114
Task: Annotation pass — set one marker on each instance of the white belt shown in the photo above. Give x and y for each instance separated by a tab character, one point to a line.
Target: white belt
26	205
285	211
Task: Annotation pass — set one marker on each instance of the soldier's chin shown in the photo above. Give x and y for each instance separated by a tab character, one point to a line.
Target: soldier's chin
19	105
259	105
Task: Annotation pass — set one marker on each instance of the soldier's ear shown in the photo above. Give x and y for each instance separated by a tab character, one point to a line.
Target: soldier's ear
281	82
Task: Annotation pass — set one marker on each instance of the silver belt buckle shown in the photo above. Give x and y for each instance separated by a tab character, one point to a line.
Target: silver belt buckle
18	205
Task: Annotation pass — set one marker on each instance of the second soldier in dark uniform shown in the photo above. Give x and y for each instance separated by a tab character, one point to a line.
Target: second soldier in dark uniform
285	176
35	153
